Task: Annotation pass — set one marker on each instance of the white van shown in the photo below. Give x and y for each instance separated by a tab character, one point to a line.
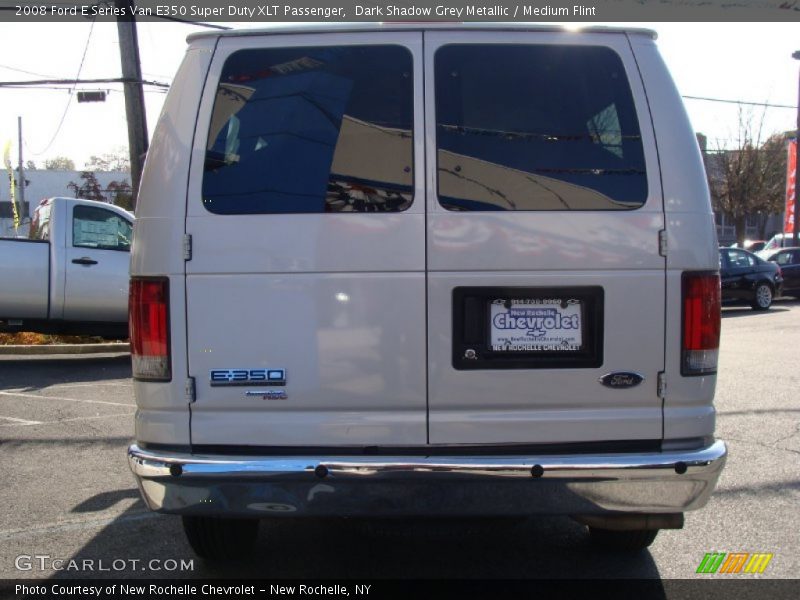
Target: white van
424	270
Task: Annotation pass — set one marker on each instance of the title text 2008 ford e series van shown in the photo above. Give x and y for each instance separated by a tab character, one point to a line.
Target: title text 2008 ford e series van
424	270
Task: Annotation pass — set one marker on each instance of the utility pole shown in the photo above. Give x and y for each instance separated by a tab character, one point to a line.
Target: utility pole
796	56
20	169
134	92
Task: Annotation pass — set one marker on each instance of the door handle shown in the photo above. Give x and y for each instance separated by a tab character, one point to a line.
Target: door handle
84	260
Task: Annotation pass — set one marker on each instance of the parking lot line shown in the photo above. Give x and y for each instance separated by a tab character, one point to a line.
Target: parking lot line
62	398
93	384
24	423
17	422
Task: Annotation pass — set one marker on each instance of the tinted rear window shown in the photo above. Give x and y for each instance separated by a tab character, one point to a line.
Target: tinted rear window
536	127
311	130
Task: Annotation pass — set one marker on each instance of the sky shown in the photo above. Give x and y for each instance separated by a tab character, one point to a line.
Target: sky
733	61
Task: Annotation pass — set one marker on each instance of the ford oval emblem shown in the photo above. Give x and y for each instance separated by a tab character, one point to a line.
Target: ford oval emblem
621	379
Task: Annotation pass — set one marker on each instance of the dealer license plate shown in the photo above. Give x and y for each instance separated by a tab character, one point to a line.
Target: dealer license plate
536	325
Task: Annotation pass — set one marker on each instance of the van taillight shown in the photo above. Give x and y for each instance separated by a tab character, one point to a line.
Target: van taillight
148	312
701	323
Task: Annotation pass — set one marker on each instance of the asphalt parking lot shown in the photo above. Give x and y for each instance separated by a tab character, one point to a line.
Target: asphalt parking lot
67	493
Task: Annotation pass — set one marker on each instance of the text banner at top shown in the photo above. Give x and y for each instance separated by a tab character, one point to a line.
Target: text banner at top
343	11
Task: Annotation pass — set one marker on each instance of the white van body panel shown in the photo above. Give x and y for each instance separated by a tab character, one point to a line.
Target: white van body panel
163	408
352	376
486	244
616	250
548	406
688	405
327	297
358	311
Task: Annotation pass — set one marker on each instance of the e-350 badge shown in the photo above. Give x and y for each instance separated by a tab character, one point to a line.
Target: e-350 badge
223	377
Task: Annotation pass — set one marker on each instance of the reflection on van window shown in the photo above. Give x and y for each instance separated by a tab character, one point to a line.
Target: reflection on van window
536	127
99	228
311	130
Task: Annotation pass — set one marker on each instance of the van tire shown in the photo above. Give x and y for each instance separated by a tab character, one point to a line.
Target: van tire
629	540
216	538
762	296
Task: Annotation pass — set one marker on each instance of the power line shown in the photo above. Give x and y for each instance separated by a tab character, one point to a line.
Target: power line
24	71
48	88
166	85
766	104
158	75
43	82
69	98
81	81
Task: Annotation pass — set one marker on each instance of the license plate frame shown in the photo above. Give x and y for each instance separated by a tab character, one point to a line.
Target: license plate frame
535	325
560	311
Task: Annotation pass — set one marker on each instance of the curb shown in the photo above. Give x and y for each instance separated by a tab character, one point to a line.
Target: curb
115	347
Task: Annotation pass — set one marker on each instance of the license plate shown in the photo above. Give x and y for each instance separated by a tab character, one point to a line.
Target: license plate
535	325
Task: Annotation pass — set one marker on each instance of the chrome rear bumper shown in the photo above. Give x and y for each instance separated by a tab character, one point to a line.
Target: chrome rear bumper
657	482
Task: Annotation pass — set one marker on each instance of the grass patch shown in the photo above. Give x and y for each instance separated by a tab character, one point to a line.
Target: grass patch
25	338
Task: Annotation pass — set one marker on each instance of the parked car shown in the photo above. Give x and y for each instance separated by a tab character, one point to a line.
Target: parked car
328	319
751	245
776	242
788	259
748	278
71	274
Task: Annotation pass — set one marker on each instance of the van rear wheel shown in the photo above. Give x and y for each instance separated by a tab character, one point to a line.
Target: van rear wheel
217	538
629	540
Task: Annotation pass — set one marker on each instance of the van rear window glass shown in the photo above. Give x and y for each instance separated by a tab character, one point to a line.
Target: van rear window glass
312	130
536	127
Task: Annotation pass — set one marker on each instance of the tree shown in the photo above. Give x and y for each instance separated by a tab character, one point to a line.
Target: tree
776	155
749	179
123	194
30	165
110	161
90	188
59	163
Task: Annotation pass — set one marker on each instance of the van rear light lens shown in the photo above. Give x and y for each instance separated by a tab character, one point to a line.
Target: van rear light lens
701	323
148	312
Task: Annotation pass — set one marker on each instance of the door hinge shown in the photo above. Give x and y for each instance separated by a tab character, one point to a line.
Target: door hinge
661	385
190	390
187	246
662	242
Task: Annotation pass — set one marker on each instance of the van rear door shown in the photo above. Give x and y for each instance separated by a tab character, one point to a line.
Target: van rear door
306	285
545	279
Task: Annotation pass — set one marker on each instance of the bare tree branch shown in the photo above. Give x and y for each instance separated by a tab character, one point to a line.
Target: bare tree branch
748	180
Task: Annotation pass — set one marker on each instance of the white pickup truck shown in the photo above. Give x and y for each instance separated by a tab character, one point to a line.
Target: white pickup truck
71	274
